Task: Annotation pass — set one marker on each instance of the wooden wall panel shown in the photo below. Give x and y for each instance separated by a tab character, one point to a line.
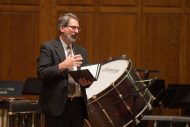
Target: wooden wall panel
187	3
19	2
87	33
74	2
47	18
185	61
163	3
115	34
119	2
161	38
19	44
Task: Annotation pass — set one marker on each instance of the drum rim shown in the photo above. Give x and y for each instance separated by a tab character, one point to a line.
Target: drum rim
123	57
106	91
140	113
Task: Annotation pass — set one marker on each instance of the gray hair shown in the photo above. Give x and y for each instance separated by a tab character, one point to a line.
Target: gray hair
64	19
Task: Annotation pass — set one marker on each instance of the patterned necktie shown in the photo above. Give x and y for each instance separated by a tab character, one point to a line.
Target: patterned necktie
69	52
71	85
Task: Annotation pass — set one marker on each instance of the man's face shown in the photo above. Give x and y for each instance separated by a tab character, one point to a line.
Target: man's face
71	31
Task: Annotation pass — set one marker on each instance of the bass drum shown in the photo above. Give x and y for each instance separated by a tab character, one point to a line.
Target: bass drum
117	99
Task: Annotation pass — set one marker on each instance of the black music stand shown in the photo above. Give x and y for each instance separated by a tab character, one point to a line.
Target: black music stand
177	96
18	110
11	88
158	90
32	86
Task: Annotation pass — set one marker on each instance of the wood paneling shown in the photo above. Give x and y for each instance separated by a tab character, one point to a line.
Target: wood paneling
185	55
19	2
163	3
161	39
74	2
187	3
116	34
87	33
119	2
19	44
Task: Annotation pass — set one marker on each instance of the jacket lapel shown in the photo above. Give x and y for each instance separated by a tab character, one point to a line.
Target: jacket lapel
59	49
76	50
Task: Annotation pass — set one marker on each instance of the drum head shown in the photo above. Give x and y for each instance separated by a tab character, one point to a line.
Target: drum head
109	73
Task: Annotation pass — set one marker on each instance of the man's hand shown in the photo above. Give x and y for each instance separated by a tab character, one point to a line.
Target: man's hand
71	61
84	82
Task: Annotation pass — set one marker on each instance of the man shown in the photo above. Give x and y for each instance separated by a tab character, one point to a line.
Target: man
63	101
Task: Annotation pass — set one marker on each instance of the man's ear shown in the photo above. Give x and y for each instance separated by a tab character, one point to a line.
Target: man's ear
62	29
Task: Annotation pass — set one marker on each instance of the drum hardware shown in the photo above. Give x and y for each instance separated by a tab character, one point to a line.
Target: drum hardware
110	58
124	56
143	81
147	73
126	105
140	91
104	111
115	87
87	122
135	121
149	78
144	92
121	97
150	81
136	94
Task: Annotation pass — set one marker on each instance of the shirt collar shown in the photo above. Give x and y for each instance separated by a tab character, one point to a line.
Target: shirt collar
64	44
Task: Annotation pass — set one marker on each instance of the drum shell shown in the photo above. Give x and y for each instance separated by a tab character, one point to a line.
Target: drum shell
121	103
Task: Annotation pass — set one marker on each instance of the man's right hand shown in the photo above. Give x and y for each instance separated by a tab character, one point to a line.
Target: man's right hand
71	61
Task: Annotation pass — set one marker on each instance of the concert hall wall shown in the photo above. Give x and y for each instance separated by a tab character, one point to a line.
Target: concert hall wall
154	34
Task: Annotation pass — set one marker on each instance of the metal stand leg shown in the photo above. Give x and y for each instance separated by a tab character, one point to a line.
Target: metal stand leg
171	123
3	118
155	124
187	125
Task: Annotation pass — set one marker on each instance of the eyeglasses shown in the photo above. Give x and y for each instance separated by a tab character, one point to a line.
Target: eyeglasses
75	27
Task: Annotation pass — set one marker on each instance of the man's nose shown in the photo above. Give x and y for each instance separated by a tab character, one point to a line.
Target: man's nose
76	30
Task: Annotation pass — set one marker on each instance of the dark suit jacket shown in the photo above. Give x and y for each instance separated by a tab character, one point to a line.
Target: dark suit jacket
55	89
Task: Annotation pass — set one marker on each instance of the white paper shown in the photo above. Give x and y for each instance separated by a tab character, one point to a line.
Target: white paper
94	69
